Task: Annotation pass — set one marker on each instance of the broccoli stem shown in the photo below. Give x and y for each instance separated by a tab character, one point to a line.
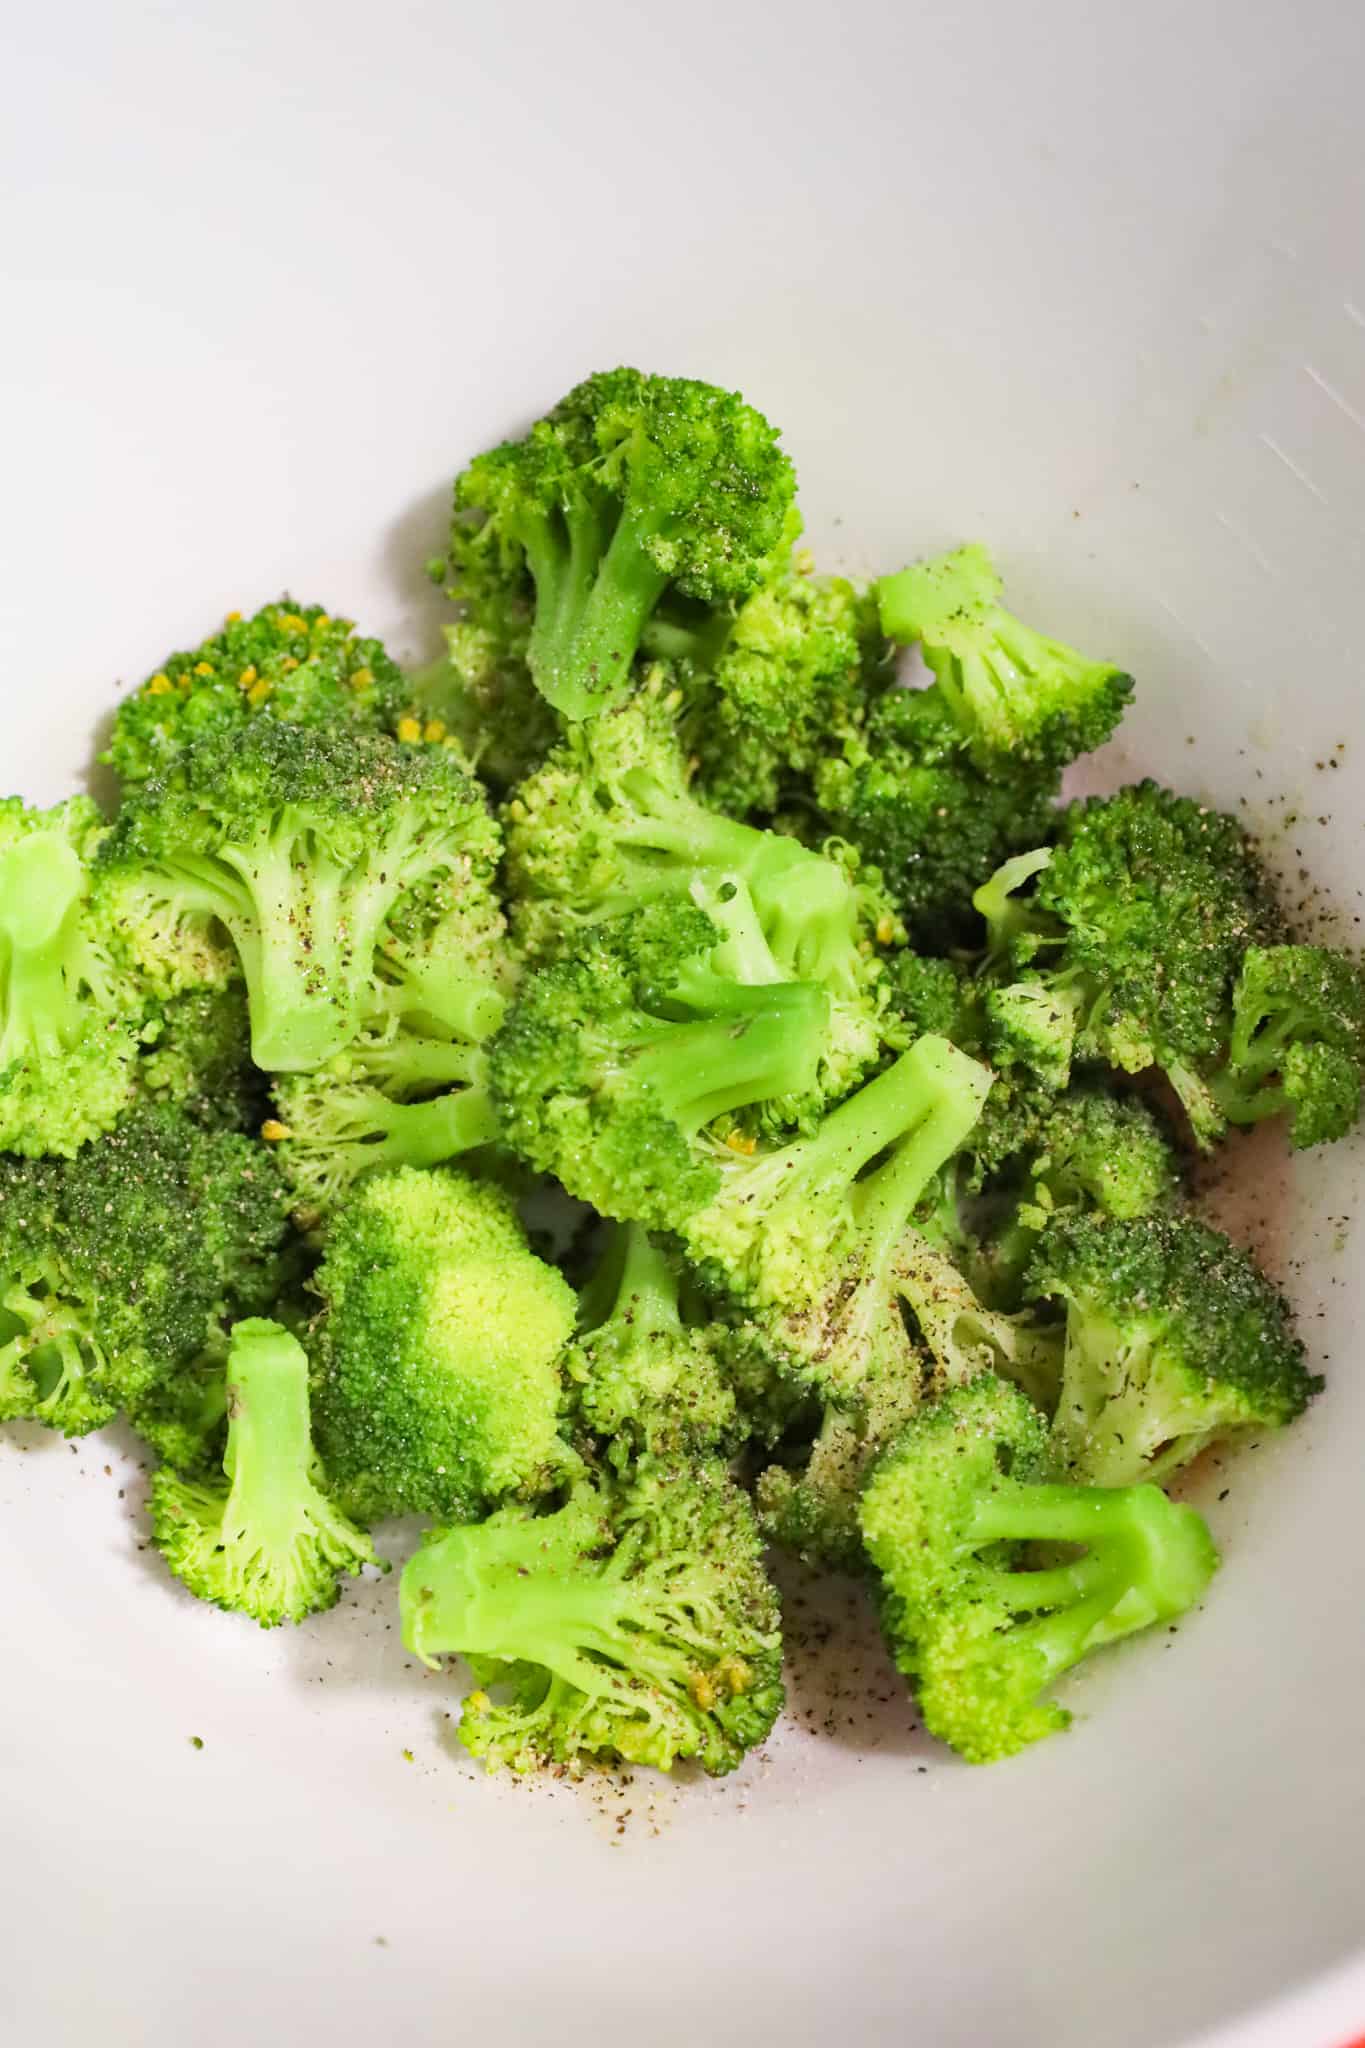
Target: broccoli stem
593	597
384	1133
412	1062
445	998
766	1042
40	889
270	1449
635	1282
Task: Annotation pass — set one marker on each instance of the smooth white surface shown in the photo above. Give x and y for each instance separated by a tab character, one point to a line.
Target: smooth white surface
1087	279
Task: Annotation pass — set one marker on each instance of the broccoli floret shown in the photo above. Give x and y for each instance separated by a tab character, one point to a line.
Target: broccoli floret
912	800
300	844
1174	1339
1031	1025
335	1125
806	1232
118	1266
291	662
790	681
70	1013
808	1500
1138	922
264	1540
943	1516
1297	1042
633	486
611	1067
1011	691
635	1624
609	823
197	1055
642	1379
437	1386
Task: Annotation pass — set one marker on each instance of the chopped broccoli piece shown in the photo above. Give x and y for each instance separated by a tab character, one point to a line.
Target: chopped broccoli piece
636	1623
437	1387
301	844
609	823
631	487
642	1379
291	662
610	1067
118	1266
197	1055
791	680
983	1640
1138	924
786	1228
1174	1339
912	800
1011	690
264	1540
70	1014
1297	1042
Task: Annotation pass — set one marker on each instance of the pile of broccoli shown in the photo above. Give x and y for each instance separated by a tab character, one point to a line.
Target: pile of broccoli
878	1068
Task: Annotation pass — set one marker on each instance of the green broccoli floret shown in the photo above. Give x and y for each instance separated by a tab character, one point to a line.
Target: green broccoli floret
264	1540
808	1499
771	691
806	1232
117	1267
609	823
635	1624
1297	1042
611	1067
301	844
642	1378
1011	691
633	486
291	662
983	1641
1138	924
1174	1339
437	1387
912	800
337	1124
70	1013
197	1055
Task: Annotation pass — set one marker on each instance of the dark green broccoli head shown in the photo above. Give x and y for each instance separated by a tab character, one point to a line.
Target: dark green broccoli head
437	1387
118	1266
636	1624
70	1009
943	1517
1174	1339
611	1066
197	1055
643	1380
261	1539
1012	692
631	487
1144	913
1297	1042
291	662
910	797
300	844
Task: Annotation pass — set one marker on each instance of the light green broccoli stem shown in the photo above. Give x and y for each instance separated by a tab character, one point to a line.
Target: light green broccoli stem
439	996
767	1043
41	882
635	1281
994	900
593	597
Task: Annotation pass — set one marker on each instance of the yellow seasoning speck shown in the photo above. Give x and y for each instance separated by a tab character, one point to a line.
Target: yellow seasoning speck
409	730
434	730
232	618
160	685
272	1130
203	668
362	679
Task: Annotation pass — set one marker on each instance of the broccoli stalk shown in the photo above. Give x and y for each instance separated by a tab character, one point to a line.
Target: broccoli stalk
265	1540
69	1019
1012	691
331	1130
782	1222
943	1516
635	1623
633	485
301	844
645	1381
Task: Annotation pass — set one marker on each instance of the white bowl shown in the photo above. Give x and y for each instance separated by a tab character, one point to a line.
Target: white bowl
1085	279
